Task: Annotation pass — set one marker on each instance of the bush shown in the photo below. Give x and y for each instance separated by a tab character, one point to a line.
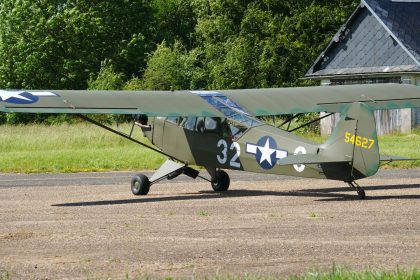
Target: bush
107	79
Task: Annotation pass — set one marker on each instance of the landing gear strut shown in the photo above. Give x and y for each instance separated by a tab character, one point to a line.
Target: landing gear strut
360	192
140	183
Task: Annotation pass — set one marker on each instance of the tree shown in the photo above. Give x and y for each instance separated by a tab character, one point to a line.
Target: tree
264	43
61	43
168	68
107	79
175	20
163	44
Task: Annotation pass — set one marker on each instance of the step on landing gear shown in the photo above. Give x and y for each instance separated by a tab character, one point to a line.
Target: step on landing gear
360	192
140	183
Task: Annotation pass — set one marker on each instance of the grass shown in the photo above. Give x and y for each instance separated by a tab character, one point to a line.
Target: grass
312	215
342	274
337	274
334	274
402	145
203	213
4	275
83	148
392	145
71	148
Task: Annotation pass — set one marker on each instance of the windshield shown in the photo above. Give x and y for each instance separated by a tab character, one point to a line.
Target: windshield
229	108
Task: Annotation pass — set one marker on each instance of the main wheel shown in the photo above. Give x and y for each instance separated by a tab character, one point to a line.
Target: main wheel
221	181
140	184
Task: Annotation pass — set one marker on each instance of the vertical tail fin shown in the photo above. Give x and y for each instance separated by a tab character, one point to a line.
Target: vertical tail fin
355	138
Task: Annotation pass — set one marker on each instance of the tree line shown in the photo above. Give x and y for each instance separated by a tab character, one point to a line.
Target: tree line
162	44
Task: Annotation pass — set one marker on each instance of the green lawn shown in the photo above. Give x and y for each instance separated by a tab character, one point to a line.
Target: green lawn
71	148
403	145
393	145
335	274
343	274
83	147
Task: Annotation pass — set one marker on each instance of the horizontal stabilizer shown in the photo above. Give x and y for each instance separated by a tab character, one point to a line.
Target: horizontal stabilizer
310	159
396	158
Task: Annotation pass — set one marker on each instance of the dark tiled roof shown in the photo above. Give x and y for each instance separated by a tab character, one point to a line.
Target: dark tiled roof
403	20
381	36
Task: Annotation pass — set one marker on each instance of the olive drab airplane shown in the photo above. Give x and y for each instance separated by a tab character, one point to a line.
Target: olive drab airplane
220	129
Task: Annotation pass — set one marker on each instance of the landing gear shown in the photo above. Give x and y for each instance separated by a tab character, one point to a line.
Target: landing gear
220	181
360	192
140	184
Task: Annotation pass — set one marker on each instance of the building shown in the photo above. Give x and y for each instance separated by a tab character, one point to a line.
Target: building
379	43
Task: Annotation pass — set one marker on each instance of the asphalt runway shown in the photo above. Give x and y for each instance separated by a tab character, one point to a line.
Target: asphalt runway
89	226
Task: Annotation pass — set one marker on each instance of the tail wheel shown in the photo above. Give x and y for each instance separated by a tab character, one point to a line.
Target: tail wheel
361	194
140	184
221	181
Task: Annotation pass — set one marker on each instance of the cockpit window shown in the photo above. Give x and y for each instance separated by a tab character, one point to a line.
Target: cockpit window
232	129
189	123
210	125
230	109
172	120
200	124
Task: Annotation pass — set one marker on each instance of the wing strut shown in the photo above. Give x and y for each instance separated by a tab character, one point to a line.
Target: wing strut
168	170
306	124
126	136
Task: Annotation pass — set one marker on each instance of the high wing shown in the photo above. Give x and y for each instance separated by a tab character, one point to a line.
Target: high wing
155	103
278	101
257	102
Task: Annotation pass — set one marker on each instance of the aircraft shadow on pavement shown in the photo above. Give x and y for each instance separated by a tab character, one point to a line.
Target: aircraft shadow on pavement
324	194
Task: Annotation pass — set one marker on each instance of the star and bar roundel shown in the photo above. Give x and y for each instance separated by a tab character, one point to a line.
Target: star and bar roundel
23	97
266	152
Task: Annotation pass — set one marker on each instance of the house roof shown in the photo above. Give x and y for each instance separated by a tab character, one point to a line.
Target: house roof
380	37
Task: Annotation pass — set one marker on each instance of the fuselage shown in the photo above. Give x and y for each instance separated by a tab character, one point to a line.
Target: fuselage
252	146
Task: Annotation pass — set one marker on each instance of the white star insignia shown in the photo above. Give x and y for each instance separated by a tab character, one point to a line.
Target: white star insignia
6	95
266	152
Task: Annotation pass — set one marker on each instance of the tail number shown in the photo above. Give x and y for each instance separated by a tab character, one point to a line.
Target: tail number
359	141
224	157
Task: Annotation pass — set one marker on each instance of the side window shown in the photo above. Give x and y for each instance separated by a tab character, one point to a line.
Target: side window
172	120
230	128
189	123
212	125
181	120
225	129
200	124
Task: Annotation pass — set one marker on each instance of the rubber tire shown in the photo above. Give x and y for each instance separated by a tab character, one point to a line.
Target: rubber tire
222	181
140	184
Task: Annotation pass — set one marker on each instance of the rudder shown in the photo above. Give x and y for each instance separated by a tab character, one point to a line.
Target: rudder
355	139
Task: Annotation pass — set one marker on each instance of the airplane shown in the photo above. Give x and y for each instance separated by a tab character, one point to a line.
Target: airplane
219	130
